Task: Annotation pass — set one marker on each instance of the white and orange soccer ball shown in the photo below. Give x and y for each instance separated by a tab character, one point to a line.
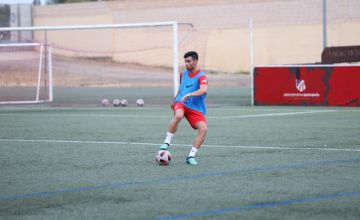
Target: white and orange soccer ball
163	157
140	102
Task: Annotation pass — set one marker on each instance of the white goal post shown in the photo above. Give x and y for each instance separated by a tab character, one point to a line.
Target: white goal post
45	29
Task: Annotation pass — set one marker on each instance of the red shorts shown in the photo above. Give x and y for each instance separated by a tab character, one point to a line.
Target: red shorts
191	115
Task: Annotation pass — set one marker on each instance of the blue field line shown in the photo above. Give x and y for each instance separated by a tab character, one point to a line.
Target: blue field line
260	205
178	178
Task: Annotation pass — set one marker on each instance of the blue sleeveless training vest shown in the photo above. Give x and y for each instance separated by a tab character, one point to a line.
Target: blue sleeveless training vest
188	85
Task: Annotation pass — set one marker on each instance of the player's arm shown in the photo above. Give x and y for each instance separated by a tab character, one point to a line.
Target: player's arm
201	91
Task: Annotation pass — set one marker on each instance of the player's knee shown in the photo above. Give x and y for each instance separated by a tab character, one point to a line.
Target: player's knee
203	129
178	116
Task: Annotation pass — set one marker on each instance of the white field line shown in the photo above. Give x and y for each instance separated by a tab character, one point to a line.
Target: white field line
91	115
245	108
273	114
351	110
282	108
108	109
186	145
162	116
117	116
241	108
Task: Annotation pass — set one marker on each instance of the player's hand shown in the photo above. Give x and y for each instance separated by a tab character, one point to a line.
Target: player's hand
185	97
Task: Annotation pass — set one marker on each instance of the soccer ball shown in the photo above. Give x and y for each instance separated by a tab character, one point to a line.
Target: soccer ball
163	157
105	102
140	102
116	102
123	102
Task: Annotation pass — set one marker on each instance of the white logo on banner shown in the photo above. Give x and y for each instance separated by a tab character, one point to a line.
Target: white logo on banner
300	85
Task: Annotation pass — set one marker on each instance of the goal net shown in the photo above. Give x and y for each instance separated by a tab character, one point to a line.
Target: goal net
25	73
94	62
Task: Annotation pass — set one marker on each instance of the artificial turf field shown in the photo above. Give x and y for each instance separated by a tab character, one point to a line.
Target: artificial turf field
256	163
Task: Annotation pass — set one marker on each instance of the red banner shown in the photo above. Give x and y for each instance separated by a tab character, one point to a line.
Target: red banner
307	85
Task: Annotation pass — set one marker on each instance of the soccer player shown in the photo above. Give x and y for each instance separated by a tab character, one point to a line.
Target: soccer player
190	103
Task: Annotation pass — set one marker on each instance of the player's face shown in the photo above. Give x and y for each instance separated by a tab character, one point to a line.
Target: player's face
190	63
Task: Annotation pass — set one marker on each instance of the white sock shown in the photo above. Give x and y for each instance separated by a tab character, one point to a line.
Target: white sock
168	138
193	152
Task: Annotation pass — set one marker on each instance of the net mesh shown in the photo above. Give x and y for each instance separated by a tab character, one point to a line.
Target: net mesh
110	57
23	76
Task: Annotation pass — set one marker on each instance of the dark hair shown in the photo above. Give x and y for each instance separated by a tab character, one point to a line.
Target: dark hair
191	54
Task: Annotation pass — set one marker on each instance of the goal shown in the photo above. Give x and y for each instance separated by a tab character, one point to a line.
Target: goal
26	73
133	55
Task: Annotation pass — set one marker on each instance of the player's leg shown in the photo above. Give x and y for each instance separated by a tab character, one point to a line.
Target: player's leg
173	126
174	123
198	122
200	137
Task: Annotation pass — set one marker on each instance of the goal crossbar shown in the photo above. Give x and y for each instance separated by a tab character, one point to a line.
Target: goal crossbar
97	26
20	45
